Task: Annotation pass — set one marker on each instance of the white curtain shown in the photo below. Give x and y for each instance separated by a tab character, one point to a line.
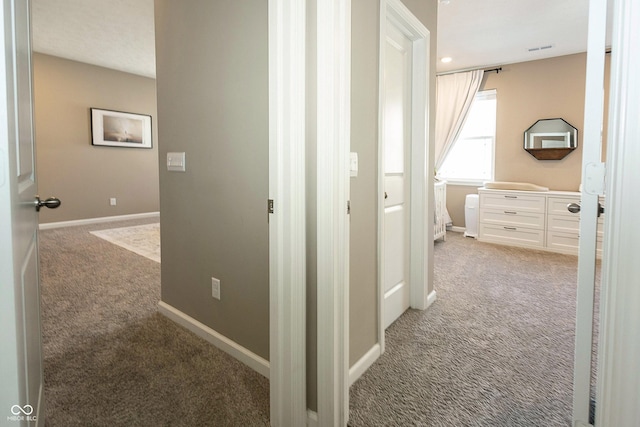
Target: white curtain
454	95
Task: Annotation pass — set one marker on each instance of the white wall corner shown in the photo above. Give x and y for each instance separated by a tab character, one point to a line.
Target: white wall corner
287	224
225	344
333	147
619	342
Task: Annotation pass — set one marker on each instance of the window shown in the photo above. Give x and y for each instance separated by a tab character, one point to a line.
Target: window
470	159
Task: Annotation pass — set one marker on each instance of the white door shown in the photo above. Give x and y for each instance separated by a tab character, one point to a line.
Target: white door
592	188
21	390
396	143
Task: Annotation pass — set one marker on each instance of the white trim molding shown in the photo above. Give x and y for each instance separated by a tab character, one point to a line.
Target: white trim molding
230	347
619	344
591	155
73	223
287	234
365	362
431	298
421	244
333	142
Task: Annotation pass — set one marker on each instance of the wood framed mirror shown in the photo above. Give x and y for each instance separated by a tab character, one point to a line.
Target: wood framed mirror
550	139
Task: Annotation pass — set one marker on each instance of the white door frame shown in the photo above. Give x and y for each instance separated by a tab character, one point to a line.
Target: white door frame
21	368
421	182
333	144
619	346
592	187
287	177
287	245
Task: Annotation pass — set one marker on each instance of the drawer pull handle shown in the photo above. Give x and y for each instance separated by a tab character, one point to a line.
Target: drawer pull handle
510	228
511	212
573	208
510	197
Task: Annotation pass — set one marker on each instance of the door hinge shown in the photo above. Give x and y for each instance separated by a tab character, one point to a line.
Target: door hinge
348	207
270	206
594	174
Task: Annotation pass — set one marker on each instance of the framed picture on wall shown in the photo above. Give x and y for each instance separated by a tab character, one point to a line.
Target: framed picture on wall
119	129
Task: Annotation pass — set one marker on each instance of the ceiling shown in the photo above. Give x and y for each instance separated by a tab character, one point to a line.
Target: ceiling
116	34
119	34
477	34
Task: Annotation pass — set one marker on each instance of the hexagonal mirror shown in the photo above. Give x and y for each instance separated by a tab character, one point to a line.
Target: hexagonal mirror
550	139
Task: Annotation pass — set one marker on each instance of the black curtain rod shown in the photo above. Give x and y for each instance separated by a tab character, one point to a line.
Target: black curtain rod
489	70
498	69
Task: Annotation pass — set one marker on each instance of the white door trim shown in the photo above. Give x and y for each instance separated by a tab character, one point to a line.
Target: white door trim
333	142
21	367
591	155
420	274
619	346
287	245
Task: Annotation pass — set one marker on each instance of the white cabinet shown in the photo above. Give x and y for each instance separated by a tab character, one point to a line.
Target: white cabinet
531	219
563	227
512	218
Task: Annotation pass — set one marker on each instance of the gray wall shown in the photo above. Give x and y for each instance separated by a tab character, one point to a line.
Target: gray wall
363	320
83	176
363	294
213	104
311	205
212	78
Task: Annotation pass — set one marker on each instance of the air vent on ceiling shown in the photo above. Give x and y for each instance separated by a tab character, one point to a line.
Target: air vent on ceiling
539	48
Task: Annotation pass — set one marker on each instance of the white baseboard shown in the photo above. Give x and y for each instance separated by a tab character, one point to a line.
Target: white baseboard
457	229
230	347
312	418
431	298
51	225
365	362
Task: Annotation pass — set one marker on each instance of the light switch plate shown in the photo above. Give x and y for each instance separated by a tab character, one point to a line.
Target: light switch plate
215	288
176	162
353	164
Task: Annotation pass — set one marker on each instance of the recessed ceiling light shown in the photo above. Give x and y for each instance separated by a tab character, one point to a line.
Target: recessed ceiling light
444	2
446	59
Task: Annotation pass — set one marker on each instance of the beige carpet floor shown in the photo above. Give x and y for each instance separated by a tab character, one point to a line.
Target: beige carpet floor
111	360
495	349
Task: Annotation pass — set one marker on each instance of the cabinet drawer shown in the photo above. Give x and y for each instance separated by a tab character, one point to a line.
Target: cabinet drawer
512	218
517	236
558	206
563	242
568	243
513	202
563	224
